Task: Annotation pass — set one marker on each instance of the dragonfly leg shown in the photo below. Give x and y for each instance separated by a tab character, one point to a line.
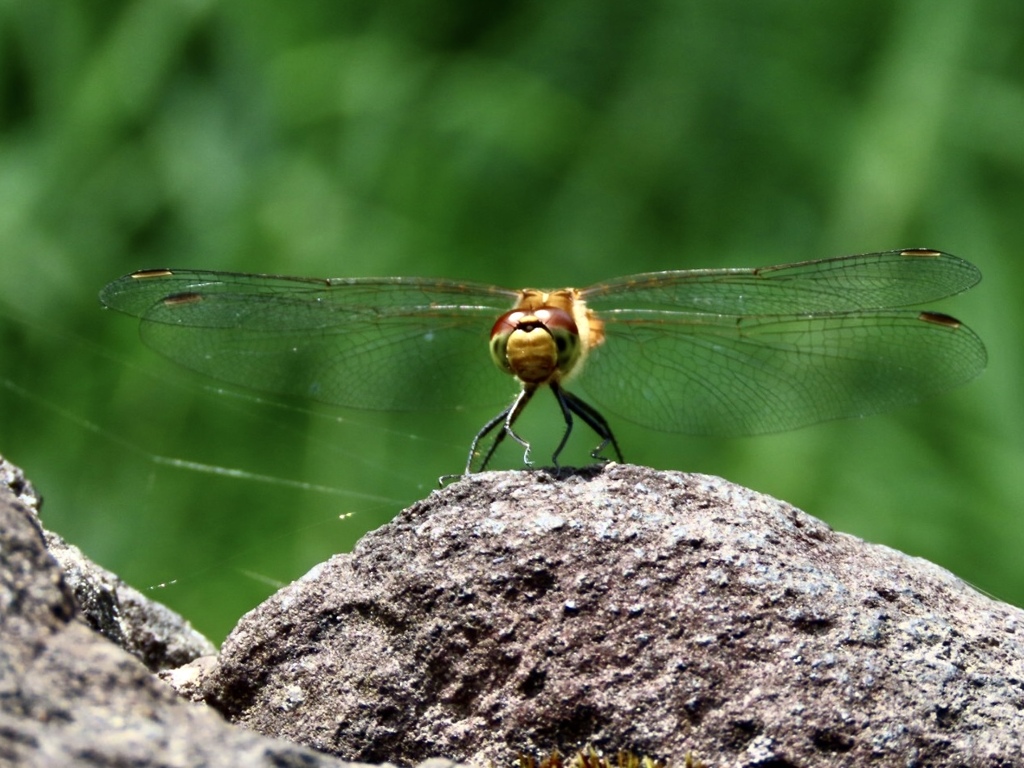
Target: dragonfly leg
591	417
506	419
510	419
564	403
486	430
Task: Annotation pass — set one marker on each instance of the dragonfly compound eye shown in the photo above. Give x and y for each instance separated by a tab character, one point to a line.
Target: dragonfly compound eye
565	334
500	333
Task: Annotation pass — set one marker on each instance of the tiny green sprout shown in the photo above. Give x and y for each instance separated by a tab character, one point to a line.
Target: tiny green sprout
589	757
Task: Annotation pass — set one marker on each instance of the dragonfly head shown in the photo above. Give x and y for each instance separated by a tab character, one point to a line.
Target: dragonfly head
536	345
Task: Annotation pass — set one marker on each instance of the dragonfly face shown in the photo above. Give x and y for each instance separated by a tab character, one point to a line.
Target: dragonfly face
536	346
723	352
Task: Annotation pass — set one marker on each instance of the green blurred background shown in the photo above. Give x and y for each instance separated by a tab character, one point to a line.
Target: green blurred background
527	143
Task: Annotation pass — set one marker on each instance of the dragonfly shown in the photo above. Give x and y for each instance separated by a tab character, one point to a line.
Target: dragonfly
716	352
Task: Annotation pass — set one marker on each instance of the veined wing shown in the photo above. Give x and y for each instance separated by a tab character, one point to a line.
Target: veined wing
847	283
376	343
730	376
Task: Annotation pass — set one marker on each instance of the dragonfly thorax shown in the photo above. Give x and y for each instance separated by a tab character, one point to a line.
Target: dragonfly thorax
536	346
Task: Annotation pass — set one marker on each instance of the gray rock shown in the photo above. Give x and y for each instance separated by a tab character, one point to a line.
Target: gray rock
71	697
157	636
150	631
627	608
659	612
14	480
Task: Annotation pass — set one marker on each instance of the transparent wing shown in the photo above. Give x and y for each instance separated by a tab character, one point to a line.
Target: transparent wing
376	343
847	283
729	376
724	352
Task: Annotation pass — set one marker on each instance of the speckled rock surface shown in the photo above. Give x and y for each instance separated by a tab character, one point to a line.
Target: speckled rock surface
628	608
